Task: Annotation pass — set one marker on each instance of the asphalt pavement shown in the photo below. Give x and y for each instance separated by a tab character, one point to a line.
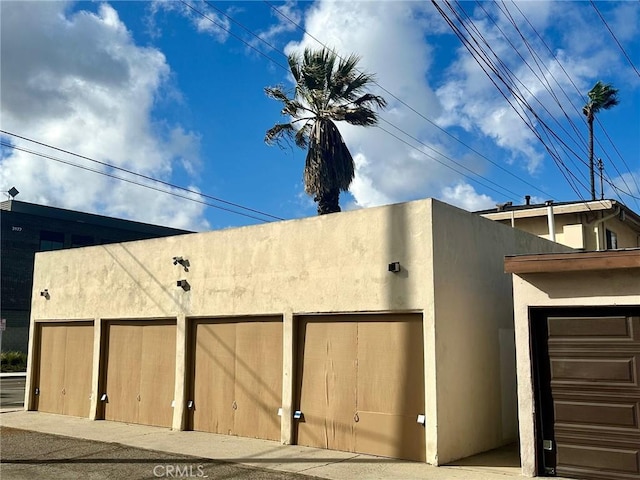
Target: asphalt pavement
12	390
27	455
46	446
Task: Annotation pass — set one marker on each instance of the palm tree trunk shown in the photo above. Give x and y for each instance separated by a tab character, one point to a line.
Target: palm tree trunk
591	166
328	201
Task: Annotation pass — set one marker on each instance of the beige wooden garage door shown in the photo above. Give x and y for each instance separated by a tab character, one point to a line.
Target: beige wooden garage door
236	377
360	384
65	366
594	370
140	372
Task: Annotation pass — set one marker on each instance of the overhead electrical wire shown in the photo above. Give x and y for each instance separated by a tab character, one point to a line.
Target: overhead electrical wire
478	53
136	174
547	131
511	86
581	94
475	53
116	177
593	4
471	42
412	109
286	69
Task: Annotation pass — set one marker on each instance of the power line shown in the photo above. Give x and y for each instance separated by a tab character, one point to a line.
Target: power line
614	37
420	114
110	175
205	16
547	130
472	44
444	164
389	123
136	174
553	55
476	53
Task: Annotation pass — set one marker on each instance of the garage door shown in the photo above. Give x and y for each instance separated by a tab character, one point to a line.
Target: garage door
65	366
360	384
140	372
236	379
591	397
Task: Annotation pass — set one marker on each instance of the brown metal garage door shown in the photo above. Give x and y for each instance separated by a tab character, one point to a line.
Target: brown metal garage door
591	397
360	384
140	372
236	378
65	366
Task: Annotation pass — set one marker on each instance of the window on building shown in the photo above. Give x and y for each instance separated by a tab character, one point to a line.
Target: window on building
81	240
51	241
612	240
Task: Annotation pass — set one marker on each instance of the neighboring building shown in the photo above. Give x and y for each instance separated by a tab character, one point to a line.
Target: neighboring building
577	322
386	331
593	225
27	228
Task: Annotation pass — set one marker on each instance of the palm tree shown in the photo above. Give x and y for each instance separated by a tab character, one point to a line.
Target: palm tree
328	89
601	97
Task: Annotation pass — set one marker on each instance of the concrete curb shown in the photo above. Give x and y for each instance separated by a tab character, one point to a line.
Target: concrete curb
12	374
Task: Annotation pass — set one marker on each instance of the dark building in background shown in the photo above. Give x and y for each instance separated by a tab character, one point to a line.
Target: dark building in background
27	228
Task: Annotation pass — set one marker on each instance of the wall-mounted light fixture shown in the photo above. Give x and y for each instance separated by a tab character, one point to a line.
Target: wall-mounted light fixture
394	267
12	192
45	293
184	285
182	261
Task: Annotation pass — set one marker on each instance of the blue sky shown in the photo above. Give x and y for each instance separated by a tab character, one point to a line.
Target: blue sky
174	91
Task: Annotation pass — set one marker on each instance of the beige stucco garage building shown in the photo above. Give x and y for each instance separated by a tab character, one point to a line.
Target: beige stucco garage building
577	319
386	331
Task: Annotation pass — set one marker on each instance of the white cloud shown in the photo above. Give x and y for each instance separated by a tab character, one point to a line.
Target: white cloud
78	81
286	21
204	18
464	196
389	38
471	101
625	186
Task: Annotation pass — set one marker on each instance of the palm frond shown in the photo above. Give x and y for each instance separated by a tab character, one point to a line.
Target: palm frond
278	133
294	66
328	89
601	97
370	100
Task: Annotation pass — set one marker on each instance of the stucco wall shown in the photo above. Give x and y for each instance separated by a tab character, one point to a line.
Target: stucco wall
593	237
474	356
324	264
452	272
329	264
571	289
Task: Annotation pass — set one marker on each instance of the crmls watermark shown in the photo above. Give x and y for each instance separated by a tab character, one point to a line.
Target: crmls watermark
179	471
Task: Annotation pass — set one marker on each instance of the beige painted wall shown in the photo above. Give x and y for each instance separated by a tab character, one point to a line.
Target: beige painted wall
596	288
323	264
593	234
452	272
333	263
474	356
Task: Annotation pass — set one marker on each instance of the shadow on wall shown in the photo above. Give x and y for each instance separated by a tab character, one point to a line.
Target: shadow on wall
167	288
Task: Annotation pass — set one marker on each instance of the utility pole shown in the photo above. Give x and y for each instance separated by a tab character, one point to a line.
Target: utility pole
601	168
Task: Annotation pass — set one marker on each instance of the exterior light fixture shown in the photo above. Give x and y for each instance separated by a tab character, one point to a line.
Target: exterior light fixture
184	285
45	293
394	267
181	261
